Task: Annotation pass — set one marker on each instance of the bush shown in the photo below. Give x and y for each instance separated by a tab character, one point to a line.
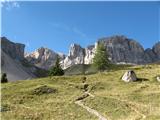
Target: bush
56	70
4	78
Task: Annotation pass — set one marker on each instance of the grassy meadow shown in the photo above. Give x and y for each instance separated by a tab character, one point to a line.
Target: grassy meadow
114	99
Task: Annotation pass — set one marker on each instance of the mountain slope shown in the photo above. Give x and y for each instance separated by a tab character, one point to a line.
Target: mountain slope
14	69
14	64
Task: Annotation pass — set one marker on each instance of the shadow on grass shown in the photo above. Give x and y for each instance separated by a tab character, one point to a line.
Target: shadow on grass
141	80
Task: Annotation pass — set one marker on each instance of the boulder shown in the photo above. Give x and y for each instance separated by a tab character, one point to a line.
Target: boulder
129	76
158	78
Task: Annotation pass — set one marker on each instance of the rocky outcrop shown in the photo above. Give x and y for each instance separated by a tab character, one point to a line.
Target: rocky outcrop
43	57
14	50
76	56
89	54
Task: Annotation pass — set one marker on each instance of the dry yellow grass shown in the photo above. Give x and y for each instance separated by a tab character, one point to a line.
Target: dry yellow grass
114	99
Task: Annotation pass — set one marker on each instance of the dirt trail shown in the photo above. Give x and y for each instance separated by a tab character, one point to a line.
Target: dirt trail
90	110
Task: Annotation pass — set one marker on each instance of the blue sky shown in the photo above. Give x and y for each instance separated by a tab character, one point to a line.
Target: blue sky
58	24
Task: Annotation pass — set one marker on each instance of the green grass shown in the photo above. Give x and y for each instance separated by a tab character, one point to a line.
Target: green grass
114	99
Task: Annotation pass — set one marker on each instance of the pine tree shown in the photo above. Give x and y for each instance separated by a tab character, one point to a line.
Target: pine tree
56	70
4	78
100	60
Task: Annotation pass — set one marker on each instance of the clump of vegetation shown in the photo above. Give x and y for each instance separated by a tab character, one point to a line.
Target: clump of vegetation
56	70
4	78
84	79
4	108
100	60
43	90
82	86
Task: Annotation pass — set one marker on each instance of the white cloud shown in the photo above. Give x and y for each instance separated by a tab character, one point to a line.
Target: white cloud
9	4
74	30
60	26
77	31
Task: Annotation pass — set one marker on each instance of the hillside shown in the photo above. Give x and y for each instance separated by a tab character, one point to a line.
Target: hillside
54	98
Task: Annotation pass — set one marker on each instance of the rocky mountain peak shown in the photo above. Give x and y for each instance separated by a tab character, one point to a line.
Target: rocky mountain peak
75	50
14	50
43	57
75	56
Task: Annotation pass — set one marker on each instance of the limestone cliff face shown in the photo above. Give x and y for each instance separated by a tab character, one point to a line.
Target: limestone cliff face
43	57
89	54
75	56
122	49
14	50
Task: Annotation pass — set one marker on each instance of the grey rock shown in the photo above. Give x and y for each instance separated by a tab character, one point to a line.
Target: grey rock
129	76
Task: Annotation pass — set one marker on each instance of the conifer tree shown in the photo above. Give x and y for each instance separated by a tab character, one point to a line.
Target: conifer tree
100	60
56	70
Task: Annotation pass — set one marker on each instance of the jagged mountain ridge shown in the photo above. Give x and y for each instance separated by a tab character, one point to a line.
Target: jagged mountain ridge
43	57
121	50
